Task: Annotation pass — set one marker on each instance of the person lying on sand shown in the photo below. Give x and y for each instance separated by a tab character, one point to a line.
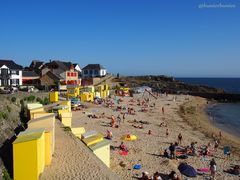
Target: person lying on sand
173	175
145	176
138	126
163	124
109	135
166	154
123	147
94	116
235	170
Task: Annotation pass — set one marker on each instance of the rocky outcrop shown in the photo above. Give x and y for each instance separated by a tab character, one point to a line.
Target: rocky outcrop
170	85
167	84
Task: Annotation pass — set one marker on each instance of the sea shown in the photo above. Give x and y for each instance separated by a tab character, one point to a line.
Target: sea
225	116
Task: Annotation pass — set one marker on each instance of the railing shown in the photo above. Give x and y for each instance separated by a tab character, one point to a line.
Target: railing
5	76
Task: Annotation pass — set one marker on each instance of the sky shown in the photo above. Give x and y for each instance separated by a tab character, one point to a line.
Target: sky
180	38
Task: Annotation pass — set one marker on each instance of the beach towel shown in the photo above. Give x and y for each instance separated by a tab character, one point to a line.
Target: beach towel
137	166
123	153
178	153
205	170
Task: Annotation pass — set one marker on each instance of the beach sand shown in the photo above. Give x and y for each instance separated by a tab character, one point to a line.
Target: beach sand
146	149
73	160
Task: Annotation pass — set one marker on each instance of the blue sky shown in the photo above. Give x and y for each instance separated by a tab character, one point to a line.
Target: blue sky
132	37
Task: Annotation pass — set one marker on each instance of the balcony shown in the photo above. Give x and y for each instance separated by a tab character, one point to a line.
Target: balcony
5	76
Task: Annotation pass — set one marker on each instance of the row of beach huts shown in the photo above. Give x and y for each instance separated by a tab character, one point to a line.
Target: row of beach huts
33	148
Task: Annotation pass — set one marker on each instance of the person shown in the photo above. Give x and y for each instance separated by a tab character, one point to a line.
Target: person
173	175
172	149
235	170
193	148
149	132
180	138
165	154
124	117
145	176
220	135
216	144
163	110
123	147
156	176
213	168
205	151
167	133
119	120
109	135
112	121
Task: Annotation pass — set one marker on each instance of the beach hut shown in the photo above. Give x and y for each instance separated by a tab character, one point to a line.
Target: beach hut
93	139
67	103
48	123
34	110
34	105
66	118
73	90
41	114
53	96
102	151
29	156
87	97
56	108
48	141
89	134
78	131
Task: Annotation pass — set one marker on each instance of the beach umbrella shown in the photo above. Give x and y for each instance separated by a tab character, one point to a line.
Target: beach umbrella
187	170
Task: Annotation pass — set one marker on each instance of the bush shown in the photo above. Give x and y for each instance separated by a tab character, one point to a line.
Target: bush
13	99
3	115
46	101
31	98
6	175
9	109
22	101
38	99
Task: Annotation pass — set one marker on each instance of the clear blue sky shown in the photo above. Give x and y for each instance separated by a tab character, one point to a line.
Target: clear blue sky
132	37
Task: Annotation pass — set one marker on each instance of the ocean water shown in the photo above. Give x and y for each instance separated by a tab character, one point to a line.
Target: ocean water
231	85
226	116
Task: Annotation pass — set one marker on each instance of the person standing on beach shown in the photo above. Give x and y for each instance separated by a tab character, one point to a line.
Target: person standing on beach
119	120
167	133
112	121
213	168
220	135
180	139
124	117
163	110
172	149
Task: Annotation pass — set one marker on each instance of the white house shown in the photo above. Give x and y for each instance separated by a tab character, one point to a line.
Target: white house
94	70
10	73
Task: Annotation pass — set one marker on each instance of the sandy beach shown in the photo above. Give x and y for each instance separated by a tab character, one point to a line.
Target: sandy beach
147	149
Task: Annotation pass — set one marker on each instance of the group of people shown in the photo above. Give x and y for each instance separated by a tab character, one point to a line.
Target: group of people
157	176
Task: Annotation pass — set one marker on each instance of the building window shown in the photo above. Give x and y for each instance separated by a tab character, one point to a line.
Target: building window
68	74
13	72
72	74
85	71
96	72
91	72
13	81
